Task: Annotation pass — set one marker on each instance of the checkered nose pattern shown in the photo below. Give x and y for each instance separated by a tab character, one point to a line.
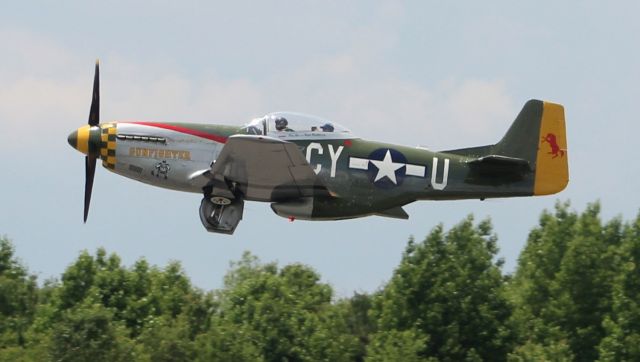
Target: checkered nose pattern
108	134
97	140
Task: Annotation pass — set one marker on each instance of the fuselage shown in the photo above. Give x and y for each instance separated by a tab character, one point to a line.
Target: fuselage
363	176
310	168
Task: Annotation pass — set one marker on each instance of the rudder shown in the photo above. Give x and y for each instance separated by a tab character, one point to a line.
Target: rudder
552	166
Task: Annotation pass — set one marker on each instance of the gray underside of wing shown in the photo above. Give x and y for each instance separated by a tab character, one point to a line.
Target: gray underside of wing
266	169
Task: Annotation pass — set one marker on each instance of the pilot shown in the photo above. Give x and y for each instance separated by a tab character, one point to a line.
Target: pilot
327	127
281	125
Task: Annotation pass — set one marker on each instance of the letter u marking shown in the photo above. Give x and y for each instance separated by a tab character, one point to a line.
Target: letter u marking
445	176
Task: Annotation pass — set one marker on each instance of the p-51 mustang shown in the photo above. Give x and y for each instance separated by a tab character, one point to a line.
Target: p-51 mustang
312	169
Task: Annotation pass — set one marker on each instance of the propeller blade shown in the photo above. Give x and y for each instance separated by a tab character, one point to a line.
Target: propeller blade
90	159
94	113
90	170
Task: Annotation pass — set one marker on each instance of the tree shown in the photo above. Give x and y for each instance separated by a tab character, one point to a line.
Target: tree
18	297
553	350
530	290
562	288
574	296
582	288
273	314
165	339
355	313
449	290
140	311
87	332
622	342
77	279
394	345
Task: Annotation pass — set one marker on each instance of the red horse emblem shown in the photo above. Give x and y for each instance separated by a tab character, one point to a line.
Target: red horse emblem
556	151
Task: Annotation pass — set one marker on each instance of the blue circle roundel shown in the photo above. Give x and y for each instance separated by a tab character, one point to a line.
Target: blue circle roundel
387	168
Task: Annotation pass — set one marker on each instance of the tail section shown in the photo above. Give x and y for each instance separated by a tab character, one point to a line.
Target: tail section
538	135
536	141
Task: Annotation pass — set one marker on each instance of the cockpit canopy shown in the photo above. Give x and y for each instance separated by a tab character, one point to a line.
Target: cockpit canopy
295	125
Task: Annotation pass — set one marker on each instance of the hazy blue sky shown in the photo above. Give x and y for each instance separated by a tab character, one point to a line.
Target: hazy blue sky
431	73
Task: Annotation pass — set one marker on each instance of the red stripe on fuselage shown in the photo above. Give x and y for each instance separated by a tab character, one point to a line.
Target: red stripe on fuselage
193	132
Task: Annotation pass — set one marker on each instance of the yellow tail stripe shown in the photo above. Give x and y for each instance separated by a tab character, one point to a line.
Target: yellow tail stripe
552	169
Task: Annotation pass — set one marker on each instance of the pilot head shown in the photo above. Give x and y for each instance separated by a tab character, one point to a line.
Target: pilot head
327	127
281	123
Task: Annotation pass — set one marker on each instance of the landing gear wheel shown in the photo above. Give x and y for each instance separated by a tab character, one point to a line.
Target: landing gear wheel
221	218
220	200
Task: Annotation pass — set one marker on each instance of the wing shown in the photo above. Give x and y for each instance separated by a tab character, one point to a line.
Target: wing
265	169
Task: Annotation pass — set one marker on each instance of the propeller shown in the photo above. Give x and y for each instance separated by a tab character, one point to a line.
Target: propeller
91	157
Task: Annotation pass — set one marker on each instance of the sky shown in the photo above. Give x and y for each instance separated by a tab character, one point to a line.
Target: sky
435	74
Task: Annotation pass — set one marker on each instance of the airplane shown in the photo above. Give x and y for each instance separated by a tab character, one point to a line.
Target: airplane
310	168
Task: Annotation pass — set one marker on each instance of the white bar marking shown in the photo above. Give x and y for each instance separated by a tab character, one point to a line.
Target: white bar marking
415	170
358	163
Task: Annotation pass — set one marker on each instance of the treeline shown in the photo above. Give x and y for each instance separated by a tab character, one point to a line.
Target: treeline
574	296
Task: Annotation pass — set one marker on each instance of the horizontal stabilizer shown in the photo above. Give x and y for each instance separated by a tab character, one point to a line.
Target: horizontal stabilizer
497	169
394	212
502	163
471	151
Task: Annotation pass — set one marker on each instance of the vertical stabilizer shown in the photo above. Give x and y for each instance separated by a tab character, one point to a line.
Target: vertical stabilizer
538	135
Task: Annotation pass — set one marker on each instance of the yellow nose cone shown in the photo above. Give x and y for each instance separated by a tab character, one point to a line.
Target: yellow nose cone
79	139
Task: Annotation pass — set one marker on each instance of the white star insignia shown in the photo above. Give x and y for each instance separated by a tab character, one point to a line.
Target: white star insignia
387	168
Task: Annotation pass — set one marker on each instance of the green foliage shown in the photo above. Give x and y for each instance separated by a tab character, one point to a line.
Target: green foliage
18	297
140	312
539	262
355	312
562	290
276	314
400	346
575	296
165	339
449	289
622	341
557	351
87	332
